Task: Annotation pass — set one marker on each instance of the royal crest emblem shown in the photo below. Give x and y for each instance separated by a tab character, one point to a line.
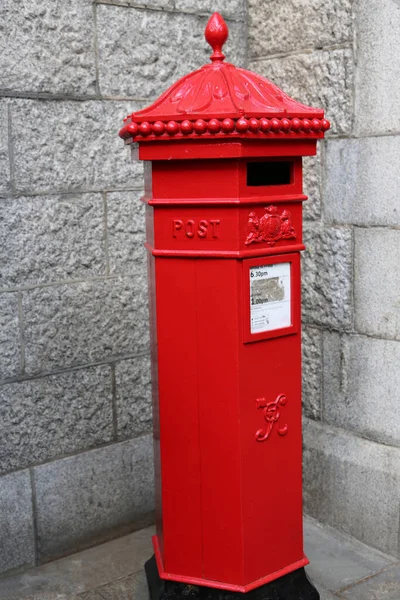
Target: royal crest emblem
271	227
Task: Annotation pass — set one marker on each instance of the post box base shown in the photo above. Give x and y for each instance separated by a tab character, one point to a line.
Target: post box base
293	586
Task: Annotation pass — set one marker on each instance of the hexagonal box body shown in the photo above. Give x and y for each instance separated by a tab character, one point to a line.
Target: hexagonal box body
223	195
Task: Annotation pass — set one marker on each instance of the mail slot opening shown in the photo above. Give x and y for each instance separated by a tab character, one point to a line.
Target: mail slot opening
269	173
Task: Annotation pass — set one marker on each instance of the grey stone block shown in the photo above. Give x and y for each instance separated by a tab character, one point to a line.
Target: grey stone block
51	416
276	26
126	232
44	239
82	572
84	322
85	499
4	155
323	79
361	377
91	595
128	555
336	560
10	345
50	47
133	587
335	367
384	586
325	595
17	547
377	82
377	282
66	146
361	185
352	484
327	276
151	4
312	179
227	8
312	371
142	53
133	394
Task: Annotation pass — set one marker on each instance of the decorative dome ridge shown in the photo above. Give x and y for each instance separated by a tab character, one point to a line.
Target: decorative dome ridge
224	100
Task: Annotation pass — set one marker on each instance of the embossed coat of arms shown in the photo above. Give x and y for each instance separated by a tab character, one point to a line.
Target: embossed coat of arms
271	227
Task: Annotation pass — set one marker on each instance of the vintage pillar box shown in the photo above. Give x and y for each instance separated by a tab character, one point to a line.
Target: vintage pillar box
223	193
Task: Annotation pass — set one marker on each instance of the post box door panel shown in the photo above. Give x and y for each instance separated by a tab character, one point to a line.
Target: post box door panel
270	414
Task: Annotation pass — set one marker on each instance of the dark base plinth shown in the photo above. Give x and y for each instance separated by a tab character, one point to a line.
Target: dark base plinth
294	586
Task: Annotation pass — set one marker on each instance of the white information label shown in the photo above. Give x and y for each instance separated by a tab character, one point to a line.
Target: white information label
270	297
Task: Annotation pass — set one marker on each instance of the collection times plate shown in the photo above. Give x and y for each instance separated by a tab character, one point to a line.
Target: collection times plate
270	297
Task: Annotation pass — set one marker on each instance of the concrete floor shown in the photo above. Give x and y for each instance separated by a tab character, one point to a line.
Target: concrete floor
340	568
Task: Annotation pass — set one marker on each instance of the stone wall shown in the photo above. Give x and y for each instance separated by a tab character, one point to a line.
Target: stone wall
75	416
343	55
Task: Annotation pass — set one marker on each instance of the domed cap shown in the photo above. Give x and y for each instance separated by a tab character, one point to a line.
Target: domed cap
221	100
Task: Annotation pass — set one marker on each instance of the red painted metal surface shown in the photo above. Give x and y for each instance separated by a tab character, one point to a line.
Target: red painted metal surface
226	398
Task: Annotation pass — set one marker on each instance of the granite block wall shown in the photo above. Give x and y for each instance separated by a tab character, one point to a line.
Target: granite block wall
75	409
343	55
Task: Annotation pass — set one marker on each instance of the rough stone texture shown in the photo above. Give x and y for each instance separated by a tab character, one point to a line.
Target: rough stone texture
312	371
133	396
325	595
337	561
361	184
133	587
277	26
126	232
152	49
64	146
227	8
17	547
323	79
82	572
43	239
47	417
377	282
360	372
312	179
384	586
92	496
377	77
352	484
84	322
10	347
47	46
151	4
327	276
4	158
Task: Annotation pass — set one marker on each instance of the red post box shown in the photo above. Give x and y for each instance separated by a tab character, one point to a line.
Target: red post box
223	193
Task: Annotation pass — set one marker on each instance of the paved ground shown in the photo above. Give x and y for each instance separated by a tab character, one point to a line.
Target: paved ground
340	568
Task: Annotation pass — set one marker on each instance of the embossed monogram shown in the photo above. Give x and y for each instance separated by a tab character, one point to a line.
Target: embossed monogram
271	227
272	414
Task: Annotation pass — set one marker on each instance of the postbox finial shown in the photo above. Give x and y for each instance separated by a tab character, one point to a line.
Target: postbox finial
216	34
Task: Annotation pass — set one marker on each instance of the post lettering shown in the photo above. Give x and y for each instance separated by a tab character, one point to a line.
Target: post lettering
215	223
202	230
177	224
190	228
